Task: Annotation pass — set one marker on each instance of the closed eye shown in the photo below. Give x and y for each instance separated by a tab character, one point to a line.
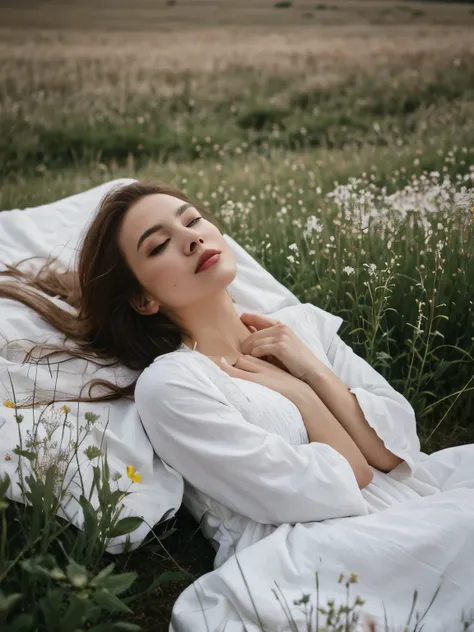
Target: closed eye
163	245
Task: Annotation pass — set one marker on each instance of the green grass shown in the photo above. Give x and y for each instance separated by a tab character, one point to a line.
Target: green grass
260	126
104	114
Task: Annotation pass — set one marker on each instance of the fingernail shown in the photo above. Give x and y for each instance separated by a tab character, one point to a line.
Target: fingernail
224	361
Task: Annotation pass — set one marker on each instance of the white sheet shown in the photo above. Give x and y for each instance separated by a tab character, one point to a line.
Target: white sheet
57	228
386	548
391	552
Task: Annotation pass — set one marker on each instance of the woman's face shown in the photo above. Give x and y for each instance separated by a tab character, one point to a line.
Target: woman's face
162	238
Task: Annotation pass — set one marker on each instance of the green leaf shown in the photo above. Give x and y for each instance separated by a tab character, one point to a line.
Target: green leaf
92	452
91	521
91	417
109	602
169	577
4	485
50	501
77	574
101	575
21	623
124	526
106	471
57	574
119	583
120	626
50	605
28	455
76	614
96	478
8	602
117	496
36	566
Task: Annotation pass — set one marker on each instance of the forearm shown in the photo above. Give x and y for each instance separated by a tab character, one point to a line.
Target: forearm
344	406
323	427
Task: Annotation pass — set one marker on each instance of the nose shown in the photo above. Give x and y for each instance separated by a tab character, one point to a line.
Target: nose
193	243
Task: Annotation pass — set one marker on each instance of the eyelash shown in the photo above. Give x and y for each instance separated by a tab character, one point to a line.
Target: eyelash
161	246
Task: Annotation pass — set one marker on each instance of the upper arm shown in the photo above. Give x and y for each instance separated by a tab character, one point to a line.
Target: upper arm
254	472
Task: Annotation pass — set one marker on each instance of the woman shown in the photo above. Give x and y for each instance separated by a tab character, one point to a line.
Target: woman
272	421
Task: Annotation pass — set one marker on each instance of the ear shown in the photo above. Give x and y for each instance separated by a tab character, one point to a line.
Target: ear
145	305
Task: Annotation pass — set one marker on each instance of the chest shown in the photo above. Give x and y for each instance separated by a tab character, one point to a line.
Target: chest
261	405
267	409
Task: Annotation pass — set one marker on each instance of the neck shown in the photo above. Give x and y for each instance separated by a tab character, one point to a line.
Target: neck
215	326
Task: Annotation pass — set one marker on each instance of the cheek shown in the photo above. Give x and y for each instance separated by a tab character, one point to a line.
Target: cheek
167	276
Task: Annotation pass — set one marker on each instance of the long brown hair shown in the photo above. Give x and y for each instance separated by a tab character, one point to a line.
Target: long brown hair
104	326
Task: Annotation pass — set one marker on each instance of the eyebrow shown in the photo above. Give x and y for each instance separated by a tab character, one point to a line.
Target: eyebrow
153	229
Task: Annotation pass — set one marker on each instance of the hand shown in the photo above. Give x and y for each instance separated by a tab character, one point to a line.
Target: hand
262	372
276	341
270	358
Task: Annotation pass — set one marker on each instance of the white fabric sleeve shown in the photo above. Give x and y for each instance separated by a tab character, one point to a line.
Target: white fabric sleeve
386	410
193	428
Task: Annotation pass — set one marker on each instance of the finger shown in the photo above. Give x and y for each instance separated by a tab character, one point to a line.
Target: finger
252	331
246	364
254	343
242	367
229	368
278	363
271	359
255	361
256	338
263	362
259	321
261	350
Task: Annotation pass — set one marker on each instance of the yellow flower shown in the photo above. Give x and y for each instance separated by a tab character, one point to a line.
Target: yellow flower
133	475
8	404
66	410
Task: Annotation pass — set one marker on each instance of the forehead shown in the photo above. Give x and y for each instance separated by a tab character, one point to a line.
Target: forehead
155	206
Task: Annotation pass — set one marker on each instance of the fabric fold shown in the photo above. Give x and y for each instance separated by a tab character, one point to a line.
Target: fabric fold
247	469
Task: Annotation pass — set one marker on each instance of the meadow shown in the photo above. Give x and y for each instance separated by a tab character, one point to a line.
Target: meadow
334	140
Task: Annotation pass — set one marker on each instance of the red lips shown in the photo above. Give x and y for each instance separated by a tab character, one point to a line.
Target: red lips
205	256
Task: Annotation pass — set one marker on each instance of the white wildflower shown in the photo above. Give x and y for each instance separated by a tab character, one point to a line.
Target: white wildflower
371	268
313	225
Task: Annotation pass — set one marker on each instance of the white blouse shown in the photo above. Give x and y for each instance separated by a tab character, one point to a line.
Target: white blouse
243	449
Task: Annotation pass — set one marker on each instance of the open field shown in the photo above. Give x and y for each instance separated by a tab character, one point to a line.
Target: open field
262	114
164	15
158	96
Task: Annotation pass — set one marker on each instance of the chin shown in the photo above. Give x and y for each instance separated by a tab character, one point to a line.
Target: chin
219	279
228	272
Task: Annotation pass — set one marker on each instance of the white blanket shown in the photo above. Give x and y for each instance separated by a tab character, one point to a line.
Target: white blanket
57	228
